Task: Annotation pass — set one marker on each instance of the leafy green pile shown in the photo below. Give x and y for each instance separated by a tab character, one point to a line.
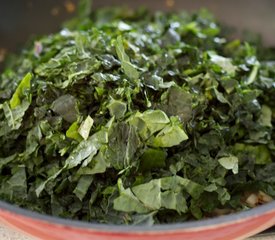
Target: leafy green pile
130	117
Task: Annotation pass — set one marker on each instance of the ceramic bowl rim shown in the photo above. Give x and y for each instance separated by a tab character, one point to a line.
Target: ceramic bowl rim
190	225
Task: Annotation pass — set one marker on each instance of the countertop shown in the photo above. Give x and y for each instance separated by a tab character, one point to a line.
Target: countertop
8	234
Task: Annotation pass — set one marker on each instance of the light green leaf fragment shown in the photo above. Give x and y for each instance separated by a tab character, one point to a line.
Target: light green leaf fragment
266	116
15	109
223	195
117	108
224	63
221	97
230	163
123	57
149	194
176	183
82	186
174	200
160	193
155	120
72	132
128	68
85	127
127	201
97	164
152	121
149	122
253	74
15	116
10	116
170	136
23	87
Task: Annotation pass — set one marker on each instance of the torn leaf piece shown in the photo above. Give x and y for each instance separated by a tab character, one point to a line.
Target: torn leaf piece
66	107
128	68
73	133
127	201
83	185
225	63
170	136
230	163
117	108
149	122
85	127
21	91
167	192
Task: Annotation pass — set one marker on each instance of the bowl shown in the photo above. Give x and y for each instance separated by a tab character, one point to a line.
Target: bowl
42	17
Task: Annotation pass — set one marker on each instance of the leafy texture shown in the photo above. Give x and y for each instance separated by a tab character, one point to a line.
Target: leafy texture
130	117
230	163
21	91
85	127
127	66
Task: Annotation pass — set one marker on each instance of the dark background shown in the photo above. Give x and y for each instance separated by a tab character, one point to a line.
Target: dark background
19	19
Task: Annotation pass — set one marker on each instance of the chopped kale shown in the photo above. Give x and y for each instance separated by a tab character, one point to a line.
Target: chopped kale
130	117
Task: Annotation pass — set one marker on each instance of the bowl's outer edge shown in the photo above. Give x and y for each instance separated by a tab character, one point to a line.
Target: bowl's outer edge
237	228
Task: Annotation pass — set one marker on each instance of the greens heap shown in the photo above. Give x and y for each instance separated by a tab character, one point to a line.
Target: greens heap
129	117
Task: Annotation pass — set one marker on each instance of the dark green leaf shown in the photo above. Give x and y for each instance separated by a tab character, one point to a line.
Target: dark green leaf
66	107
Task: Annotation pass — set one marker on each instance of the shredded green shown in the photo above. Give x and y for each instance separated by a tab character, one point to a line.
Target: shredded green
129	117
